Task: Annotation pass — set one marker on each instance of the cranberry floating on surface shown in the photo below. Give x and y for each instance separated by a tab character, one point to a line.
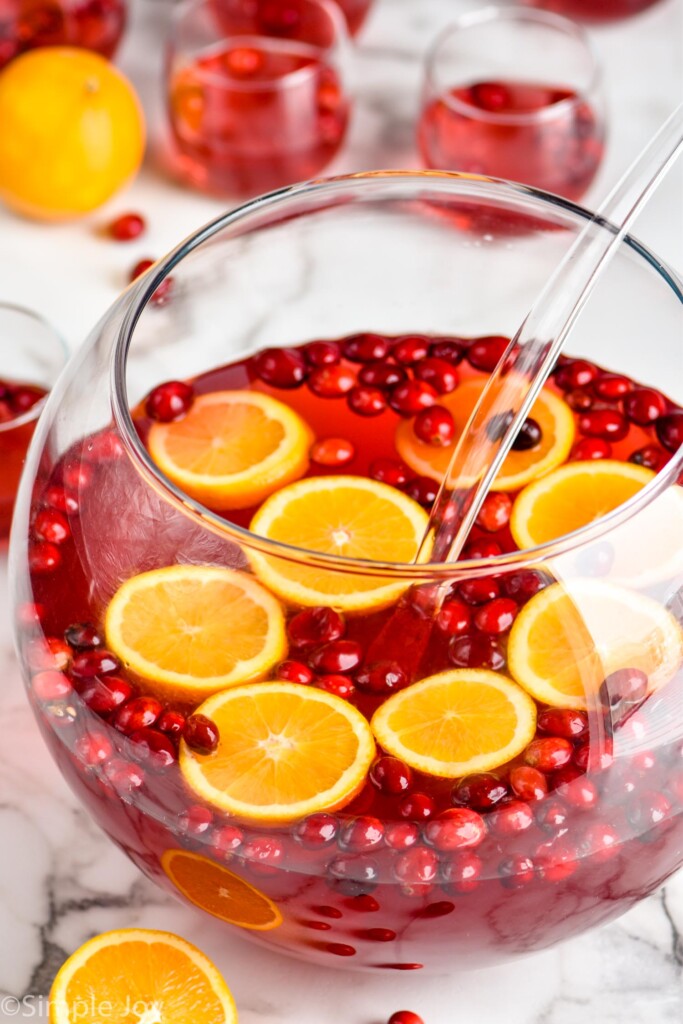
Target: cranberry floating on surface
382	375
476	651
549	755
411	397
529	436
410	349
391	776
455	829
315	626
331	381
317	830
366	348
575	373
435	426
366	401
381	677
139	713
389	471
481	792
439	373
462	870
669	431
294	672
281	367
591	448
485	353
644	405
201	734
604	423
322	353
422	489
170	401
332	452
338	656
495	512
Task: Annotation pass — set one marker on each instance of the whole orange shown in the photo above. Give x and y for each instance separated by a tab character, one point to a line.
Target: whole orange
72	132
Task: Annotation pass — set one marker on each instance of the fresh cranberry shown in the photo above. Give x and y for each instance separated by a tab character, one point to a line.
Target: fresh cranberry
603	756
172	723
103	447
366	401
93	749
556	859
449	349
317	830
669	430
650	456
600	841
361	834
105	695
454	617
315	626
476	651
124	776
332	451
339	656
263	854
494	513
332	381
572	725
422	489
340	686
548	755
51	685
462	870
96	662
515	816
439	373
201	734
405	1017
48	653
647	810
416	806
479	590
481	549
528	783
455	829
401	835
353	874
77	476
435	426
551	815
391	776
164	292
381	677
485	353
521	586
366	348
644	406
481	792
496	617
579	400
579	792
575	373
51	525
152	748
322	353
529	436
624	688
382	375
44	558
170	401
281	367
226	839
195	821
58	497
126	227
416	866
591	448
410	349
605	423
612	386
83	636
411	397
138	713
389	471
294	672
643	762
517	871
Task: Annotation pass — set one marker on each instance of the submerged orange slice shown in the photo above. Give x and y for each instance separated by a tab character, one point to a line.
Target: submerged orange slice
553	416
220	892
349	516
456	722
569	637
571	497
285	751
190	630
233	448
140	975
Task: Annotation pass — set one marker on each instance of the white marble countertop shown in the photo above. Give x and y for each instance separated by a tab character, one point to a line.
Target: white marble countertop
61	879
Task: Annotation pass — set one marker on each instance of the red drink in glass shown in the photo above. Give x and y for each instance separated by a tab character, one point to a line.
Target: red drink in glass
594	11
17	422
93	24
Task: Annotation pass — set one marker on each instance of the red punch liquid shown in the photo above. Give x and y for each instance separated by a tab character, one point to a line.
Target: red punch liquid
16	399
93	24
595	10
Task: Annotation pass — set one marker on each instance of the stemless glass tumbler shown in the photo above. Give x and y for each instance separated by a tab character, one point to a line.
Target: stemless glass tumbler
94	24
514	93
257	93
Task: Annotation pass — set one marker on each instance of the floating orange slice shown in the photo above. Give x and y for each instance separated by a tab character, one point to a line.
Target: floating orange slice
190	630
349	516
139	975
285	750
233	448
570	636
220	892
456	722
553	416
573	496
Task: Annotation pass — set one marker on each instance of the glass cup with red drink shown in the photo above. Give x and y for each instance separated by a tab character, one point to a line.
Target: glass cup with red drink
93	24
595	11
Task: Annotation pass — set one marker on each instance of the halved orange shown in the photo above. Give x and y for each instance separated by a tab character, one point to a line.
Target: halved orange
349	516
571	635
456	722
139	975
220	892
233	448
552	414
573	496
285	750
190	630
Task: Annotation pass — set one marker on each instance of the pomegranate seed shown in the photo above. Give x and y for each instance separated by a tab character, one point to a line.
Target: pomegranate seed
494	513
516	872
612	386
521	586
172	723
152	748
548	755
416	866
58	497
644	406
497	616
195	821
103	447
170	401
479	590
315	626
281	367
77	476
528	784
47	653
462	870
366	348
362	834
480	792
294	672
650	456
439	373
411	397
127	227
381	677
455	829
124	776
332	451
410	349
422	489
435	426
83	636
164	292
365	401
331	381
515	816
391	776
579	400
481	549
51	685
389	471
382	375
416	806
449	349
405	1017
105	695
477	651
201	734
353	875
93	749
317	830
96	662
485	353
529	436
339	656
401	835
576	373
669	430
591	448
50	525
626	687
571	725
551	815
555	860
139	713
226	839
600	841
340	686
605	423
44	558
322	353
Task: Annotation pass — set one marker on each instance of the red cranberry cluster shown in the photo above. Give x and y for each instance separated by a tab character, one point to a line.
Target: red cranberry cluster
16	399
